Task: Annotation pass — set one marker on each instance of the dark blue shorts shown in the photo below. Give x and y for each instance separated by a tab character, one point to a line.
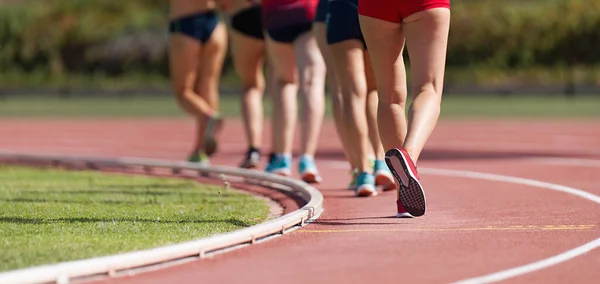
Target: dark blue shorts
342	22
321	14
199	26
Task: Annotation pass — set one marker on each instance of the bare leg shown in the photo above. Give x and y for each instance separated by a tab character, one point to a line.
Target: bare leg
248	57
183	64
427	39
372	102
319	30
348	56
284	95
212	58
311	78
385	41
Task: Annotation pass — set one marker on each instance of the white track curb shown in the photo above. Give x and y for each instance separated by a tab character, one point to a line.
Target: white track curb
110	265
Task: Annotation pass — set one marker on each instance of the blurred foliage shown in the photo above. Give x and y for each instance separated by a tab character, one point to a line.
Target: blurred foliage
58	38
61	36
512	34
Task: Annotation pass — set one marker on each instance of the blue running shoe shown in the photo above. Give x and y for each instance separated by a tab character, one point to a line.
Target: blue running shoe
280	165
365	185
308	170
383	175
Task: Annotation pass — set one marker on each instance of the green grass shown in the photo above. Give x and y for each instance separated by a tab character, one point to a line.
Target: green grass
454	106
48	216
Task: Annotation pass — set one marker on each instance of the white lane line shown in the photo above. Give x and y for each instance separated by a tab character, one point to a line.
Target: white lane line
567	162
527	268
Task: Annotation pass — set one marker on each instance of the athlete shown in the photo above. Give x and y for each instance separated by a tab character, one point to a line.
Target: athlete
299	68
353	69
249	55
424	26
197	47
320	31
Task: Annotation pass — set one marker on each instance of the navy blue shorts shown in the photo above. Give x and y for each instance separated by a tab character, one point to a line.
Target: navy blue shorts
342	22
198	26
321	14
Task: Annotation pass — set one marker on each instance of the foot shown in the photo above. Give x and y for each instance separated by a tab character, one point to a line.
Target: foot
199	157
280	165
383	176
308	170
213	126
365	185
352	185
252	159
410	194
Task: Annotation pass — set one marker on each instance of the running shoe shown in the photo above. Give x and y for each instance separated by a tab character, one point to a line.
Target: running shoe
199	157
410	194
252	159
365	185
308	170
213	126
280	164
383	176
401	211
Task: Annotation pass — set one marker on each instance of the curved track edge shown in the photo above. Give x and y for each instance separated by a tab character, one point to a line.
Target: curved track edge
201	248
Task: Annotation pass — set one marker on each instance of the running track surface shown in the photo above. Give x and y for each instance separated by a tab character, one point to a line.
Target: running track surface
472	227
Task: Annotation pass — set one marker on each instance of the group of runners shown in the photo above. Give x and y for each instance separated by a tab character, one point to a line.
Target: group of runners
357	45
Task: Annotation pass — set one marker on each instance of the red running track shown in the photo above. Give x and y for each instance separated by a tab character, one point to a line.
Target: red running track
473	227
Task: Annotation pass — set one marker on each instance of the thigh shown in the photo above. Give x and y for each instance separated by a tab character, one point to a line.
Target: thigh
308	55
248	56
350	67
385	43
211	65
427	40
183	62
281	56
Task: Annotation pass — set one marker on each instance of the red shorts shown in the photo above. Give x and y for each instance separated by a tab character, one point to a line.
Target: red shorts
396	10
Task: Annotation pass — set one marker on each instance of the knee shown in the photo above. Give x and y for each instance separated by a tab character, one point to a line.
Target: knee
181	91
429	89
313	75
393	97
253	84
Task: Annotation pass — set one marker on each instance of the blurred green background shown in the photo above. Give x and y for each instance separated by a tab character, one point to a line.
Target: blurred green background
116	45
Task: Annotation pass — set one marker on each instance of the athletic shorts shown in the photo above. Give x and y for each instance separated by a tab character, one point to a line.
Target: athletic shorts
289	34
342	22
285	21
396	10
321	14
249	22
199	26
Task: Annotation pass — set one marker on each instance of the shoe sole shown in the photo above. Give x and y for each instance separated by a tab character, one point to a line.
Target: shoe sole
404	215
282	172
384	179
311	178
411	192
366	190
249	165
210	143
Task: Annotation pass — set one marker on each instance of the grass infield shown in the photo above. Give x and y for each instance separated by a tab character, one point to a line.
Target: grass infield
51	215
453	107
